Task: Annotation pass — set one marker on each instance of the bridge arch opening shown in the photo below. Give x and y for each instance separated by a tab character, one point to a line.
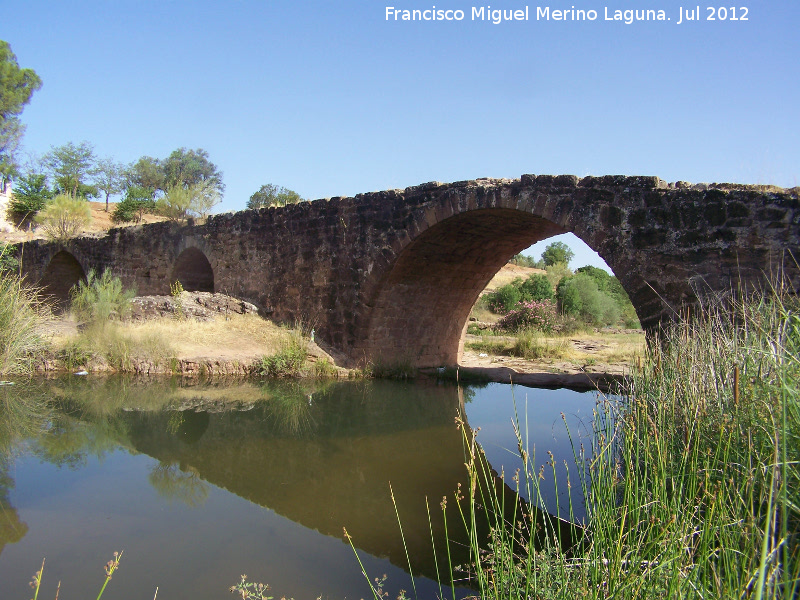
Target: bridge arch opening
193	271
422	304
63	272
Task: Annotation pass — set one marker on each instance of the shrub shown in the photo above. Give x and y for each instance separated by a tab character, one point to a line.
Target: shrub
579	295
64	217
530	315
137	201
99	299
8	258
536	287
504	299
183	201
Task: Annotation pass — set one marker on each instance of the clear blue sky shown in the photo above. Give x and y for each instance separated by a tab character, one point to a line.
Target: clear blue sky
328	98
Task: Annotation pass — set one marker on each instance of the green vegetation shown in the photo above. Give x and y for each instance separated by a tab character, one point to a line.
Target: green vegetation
110	568
292	359
100	299
16	88
273	195
20	317
72	167
182	201
64	217
557	253
526	261
590	295
31	195
691	480
134	205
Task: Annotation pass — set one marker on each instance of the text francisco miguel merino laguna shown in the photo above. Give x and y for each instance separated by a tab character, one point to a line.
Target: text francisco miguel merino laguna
545	13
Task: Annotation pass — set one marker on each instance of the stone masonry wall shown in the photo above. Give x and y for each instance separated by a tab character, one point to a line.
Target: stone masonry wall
392	275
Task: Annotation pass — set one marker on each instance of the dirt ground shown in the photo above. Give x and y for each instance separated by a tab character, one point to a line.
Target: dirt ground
101	222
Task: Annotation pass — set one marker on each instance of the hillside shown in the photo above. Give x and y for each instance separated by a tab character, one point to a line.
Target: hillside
101	222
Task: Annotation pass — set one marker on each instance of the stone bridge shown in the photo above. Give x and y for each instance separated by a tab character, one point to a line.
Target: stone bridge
393	275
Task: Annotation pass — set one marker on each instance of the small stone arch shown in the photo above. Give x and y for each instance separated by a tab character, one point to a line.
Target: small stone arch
63	272
193	271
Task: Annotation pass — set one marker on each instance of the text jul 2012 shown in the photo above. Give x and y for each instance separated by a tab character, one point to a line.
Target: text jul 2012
545	13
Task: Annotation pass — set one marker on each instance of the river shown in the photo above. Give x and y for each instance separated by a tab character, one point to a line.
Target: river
199	483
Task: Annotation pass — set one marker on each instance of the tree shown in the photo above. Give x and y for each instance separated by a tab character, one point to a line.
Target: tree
181	202
64	217
16	88
146	173
557	252
136	202
72	167
536	287
191	167
110	177
31	194
272	195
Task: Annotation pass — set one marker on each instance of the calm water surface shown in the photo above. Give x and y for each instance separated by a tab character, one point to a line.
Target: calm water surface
200	483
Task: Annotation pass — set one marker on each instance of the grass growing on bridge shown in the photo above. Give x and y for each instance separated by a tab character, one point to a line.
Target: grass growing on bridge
691	479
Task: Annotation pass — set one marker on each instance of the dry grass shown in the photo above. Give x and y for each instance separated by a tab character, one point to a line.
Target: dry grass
241	335
606	348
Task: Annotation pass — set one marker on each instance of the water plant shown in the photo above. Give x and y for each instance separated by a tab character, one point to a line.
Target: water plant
110	568
691	480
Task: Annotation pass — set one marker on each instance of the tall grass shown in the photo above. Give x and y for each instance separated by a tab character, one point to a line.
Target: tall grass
691	480
20	318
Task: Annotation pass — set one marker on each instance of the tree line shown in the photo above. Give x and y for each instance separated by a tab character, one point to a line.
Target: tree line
589	295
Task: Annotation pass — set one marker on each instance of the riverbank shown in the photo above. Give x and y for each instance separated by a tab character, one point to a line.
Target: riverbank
198	334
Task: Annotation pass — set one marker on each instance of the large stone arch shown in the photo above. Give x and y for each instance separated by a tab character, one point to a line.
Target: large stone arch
420	307
63	272
193	269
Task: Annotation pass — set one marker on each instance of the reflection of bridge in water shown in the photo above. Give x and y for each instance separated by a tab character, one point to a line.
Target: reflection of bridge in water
323	459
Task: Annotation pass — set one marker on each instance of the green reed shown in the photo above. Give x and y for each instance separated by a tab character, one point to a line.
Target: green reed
691	478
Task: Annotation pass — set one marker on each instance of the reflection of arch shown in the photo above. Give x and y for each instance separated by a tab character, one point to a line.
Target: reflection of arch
194	271
62	274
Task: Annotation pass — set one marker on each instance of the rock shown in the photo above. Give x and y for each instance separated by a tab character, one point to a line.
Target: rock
201	306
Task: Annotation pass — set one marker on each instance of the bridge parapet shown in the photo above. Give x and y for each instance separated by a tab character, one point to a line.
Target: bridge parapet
393	275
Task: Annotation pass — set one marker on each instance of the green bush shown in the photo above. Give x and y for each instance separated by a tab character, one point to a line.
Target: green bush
536	288
289	361
31	195
100	299
64	217
579	295
137	201
505	298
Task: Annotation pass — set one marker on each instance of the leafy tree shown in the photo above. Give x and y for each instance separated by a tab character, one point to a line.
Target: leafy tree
136	202
64	217
190	168
31	194
16	88
146	173
579	296
110	177
536	287
526	261
181	202
72	166
557	252
272	195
